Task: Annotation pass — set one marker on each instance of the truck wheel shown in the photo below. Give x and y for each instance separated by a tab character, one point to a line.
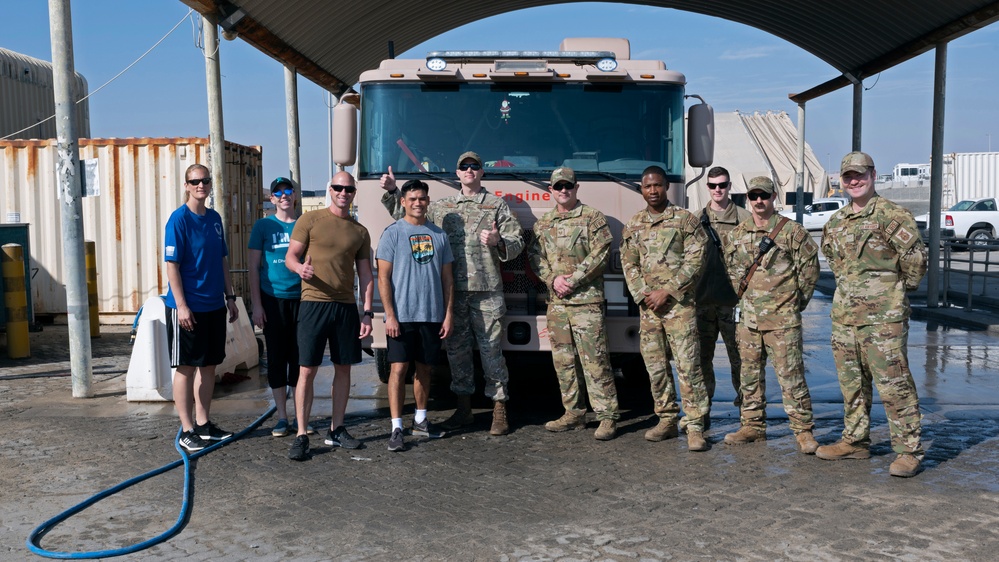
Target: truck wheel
979	237
382	365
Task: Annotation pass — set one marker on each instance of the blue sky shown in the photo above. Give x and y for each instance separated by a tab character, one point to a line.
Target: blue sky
732	66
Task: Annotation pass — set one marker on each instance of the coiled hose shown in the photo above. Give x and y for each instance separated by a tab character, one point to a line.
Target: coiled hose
185	509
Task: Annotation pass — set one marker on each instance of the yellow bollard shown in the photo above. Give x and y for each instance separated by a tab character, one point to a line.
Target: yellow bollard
15	299
90	253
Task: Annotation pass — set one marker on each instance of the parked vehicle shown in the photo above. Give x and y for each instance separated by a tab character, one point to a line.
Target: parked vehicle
588	106
817	214
977	220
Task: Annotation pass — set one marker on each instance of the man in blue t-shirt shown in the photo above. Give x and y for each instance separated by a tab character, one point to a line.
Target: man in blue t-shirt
276	292
417	288
200	292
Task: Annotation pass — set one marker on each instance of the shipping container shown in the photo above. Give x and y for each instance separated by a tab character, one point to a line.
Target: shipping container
28	99
970	175
140	183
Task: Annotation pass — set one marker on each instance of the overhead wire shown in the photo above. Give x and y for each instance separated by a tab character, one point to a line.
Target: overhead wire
115	77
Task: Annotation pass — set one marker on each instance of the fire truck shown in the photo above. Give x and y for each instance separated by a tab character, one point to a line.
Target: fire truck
587	106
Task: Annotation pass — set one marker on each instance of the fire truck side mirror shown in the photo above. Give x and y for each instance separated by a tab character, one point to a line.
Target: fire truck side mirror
344	134
700	135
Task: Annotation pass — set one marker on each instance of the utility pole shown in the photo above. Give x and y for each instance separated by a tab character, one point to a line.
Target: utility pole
216	130
70	199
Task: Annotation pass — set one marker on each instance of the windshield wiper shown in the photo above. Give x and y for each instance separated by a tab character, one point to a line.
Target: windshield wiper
627	183
507	172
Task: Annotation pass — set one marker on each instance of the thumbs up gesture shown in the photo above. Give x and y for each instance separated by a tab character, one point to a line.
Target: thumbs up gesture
307	271
388	180
490	237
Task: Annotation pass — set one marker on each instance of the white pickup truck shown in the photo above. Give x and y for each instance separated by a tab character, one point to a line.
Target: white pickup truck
977	220
817	214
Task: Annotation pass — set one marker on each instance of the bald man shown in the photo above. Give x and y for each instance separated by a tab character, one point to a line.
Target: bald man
326	246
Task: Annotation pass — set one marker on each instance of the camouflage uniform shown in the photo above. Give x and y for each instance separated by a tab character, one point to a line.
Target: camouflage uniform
717	319
877	255
770	323
479	304
577	243
666	251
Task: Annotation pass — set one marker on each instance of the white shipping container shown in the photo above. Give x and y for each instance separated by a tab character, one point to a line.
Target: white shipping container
970	175
141	183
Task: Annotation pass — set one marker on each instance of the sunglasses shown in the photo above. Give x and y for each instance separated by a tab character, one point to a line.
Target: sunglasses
719	185
562	185
347	188
754	195
280	192
199	181
470	166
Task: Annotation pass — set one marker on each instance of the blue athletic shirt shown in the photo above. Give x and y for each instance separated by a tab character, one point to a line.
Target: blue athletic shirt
197	243
271	237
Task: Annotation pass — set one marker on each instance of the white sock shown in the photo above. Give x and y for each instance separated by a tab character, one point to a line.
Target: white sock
396	423
420	416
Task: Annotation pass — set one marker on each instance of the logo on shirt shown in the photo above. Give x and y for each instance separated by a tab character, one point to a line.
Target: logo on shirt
422	246
218	229
170	251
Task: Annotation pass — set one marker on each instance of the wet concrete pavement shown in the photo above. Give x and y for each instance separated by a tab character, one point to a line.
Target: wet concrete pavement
531	495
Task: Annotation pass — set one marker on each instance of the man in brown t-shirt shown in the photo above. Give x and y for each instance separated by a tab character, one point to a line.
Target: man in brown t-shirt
325	247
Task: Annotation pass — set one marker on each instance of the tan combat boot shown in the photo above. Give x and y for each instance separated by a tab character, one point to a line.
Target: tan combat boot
695	441
905	466
606	431
842	450
806	442
500	425
567	422
462	415
746	434
665	430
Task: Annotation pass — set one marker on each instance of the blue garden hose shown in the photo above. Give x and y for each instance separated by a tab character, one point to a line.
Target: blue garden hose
185	509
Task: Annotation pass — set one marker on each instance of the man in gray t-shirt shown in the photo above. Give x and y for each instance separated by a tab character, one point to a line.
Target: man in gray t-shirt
416	288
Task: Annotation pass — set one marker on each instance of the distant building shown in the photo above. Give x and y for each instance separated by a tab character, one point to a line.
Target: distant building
28	99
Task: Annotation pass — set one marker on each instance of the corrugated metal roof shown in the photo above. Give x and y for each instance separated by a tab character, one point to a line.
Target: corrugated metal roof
331	43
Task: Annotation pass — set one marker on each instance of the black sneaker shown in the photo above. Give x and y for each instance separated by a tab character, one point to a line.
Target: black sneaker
299	449
425	429
396	442
340	438
191	441
212	432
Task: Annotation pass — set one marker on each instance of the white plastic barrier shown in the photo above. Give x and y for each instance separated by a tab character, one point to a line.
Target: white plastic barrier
150	377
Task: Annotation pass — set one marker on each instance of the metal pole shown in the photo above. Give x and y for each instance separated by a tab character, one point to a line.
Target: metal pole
858	114
936	175
799	177
291	116
330	104
216	130
70	194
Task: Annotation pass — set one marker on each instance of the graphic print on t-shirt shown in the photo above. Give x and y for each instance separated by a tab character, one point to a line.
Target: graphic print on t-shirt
422	246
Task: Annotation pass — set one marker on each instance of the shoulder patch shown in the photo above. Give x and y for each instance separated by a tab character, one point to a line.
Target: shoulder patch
693	222
799	235
903	235
892	227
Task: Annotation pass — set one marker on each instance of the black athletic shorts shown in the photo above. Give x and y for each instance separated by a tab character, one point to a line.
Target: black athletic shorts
417	341
335	323
202	346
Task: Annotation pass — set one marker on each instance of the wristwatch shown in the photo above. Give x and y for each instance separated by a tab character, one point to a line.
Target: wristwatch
369	314
230	297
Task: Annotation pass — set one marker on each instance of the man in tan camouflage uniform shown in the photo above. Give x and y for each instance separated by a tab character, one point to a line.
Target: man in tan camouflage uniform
570	254
483	233
874	249
662	251
775	293
716	309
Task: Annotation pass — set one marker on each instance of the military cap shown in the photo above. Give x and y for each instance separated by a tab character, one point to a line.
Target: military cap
563	174
761	183
469	155
856	162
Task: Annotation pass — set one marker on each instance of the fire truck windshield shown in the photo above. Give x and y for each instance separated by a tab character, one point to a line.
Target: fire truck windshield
522	129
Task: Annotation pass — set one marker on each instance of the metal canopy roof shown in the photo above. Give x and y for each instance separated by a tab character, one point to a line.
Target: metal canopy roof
331	43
